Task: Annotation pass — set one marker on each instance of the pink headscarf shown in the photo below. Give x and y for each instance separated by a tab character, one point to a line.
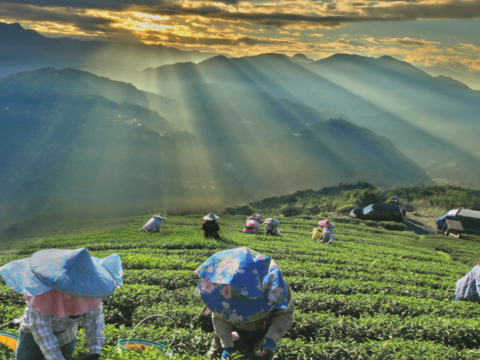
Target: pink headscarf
326	223
61	305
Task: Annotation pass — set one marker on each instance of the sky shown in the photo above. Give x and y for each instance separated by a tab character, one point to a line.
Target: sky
422	32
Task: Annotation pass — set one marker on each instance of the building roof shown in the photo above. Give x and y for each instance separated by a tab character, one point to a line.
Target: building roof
469	213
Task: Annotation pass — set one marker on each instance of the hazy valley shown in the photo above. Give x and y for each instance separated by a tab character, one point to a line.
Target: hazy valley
107	136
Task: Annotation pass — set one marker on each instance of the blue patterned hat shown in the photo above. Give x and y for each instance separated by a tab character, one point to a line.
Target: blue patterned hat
241	285
71	272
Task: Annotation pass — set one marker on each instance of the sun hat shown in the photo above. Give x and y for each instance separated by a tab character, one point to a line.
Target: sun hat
256	216
160	216
241	285
71	272
326	223
211	217
273	222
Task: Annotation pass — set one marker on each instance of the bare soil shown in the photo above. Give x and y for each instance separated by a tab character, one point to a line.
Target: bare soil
421	225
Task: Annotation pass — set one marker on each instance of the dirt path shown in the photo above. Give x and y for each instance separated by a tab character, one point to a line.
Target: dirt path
420	225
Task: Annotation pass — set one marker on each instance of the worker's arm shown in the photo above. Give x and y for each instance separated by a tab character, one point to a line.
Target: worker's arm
476	271
281	320
41	329
94	323
223	329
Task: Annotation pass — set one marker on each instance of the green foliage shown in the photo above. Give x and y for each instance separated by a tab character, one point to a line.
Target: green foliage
345	209
446	197
365	197
391	225
373	294
246	209
290	210
341	199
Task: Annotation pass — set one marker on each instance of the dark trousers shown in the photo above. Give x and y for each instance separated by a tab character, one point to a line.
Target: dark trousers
28	349
211	234
247	345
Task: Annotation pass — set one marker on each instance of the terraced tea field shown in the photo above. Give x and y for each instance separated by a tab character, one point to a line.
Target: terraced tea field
373	294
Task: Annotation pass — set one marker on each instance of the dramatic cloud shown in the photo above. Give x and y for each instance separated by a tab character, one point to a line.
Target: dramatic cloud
246	27
280	13
354	43
406	41
61	15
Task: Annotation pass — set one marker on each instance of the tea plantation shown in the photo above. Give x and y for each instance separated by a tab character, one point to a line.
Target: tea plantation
373	294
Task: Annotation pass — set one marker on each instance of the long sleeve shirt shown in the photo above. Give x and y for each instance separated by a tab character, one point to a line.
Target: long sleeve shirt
280	321
469	286
327	235
251	227
209	226
153	224
272	230
51	332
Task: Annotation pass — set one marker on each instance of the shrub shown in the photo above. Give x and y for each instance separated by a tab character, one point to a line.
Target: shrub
344	220
289	210
370	223
366	197
246	209
390	225
345	209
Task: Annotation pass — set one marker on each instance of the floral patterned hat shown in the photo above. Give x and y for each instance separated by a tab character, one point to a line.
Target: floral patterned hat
71	272
241	285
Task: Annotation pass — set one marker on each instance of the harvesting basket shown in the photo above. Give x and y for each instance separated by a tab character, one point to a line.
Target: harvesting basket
9	340
141	345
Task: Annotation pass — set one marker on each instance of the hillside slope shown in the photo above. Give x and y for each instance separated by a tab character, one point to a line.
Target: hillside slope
426	117
372	294
62	141
73	141
336	149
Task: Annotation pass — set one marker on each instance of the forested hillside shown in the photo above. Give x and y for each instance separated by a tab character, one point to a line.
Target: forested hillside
75	144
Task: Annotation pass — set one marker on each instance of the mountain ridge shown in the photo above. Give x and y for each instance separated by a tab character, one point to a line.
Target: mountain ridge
66	144
25	49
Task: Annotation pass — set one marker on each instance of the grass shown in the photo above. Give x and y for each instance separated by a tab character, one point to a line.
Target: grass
373	294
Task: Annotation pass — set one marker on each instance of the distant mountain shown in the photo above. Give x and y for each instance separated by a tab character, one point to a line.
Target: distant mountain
426	117
63	143
75	143
458	168
470	79
302	58
27	50
336	149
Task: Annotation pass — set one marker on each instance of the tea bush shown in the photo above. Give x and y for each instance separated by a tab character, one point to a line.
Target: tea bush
374	294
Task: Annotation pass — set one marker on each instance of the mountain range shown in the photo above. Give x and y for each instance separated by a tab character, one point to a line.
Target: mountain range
93	132
23	49
426	117
73	142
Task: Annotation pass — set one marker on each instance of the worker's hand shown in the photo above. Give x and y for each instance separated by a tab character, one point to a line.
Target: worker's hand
268	344
267	348
93	357
227	353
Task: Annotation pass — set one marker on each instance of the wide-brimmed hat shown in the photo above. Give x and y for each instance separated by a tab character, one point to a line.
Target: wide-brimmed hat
211	216
272	222
71	272
160	216
326	223
241	285
256	216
